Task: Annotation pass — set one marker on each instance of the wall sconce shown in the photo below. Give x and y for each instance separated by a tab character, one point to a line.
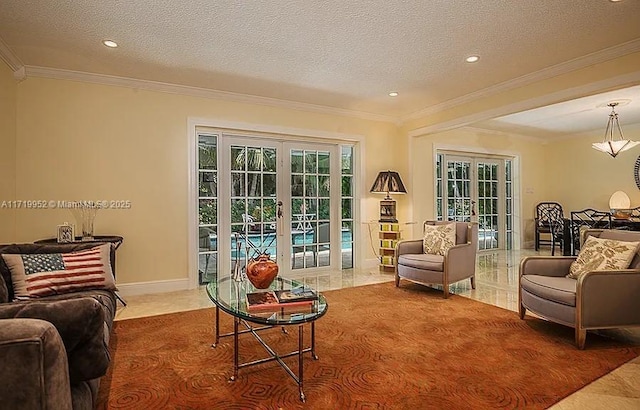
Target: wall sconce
620	205
386	182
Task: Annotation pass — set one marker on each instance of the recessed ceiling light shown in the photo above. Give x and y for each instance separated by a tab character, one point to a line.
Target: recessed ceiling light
472	59
110	43
614	1
393	94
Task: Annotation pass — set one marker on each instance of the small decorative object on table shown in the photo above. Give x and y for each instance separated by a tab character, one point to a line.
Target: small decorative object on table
271	301
85	214
296	295
65	233
261	271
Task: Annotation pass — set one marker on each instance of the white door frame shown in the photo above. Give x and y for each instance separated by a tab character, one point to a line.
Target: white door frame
282	132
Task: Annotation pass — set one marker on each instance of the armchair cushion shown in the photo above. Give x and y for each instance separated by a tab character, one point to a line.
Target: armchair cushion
558	289
422	261
602	254
37	275
439	238
80	322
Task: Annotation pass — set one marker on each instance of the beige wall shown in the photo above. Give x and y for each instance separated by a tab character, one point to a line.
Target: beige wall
80	141
66	140
530	154
8	87
581	177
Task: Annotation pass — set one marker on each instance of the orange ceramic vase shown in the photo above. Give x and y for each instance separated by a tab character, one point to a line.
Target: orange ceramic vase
262	271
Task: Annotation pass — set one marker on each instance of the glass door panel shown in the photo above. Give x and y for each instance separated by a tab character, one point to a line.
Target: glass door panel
488	199
459	202
473	193
207	207
310	203
253	201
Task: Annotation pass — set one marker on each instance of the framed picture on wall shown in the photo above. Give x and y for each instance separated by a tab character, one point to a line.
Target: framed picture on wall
66	233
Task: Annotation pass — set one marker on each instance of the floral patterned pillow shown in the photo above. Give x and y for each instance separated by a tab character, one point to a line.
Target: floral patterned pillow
602	254
439	238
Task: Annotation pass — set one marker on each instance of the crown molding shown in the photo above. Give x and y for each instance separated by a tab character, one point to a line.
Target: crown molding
546	73
624	80
60	74
10	58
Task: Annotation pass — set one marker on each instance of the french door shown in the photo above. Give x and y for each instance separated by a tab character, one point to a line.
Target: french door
475	189
276	197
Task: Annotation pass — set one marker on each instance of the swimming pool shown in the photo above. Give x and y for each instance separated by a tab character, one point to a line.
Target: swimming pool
267	242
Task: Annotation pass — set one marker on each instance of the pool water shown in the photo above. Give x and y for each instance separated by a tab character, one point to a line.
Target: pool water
267	242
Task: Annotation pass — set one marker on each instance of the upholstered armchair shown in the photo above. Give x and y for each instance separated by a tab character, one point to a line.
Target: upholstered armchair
456	263
597	299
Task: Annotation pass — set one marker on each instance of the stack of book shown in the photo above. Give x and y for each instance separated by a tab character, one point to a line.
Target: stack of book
273	300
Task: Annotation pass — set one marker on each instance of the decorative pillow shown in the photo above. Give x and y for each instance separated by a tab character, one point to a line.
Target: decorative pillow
602	254
44	274
439	238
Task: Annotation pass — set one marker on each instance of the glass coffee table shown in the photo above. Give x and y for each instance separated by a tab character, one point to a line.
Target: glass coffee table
230	297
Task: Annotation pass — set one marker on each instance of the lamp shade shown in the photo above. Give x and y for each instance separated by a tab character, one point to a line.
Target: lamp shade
388	181
619	200
610	145
619	203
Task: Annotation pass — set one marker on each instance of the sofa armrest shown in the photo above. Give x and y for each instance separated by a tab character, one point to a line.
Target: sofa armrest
80	323
546	265
461	261
409	246
609	298
34	369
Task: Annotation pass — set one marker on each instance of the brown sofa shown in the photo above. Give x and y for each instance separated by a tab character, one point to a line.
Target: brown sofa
53	349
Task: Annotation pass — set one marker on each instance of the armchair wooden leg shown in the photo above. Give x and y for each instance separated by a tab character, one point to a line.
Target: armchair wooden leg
581	337
397	280
445	289
522	311
473	282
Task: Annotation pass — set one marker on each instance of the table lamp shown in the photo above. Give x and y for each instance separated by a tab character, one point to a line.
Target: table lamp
386	182
619	203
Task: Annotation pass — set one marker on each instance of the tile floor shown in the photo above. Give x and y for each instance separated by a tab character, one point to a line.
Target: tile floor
496	283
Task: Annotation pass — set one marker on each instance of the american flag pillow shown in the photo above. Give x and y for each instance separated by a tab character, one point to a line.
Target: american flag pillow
44	274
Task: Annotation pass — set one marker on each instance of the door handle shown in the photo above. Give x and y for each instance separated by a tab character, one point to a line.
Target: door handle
279	219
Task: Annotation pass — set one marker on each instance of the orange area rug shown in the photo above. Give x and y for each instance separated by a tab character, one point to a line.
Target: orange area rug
379	347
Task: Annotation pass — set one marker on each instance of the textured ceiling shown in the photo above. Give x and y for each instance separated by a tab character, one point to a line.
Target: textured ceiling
344	54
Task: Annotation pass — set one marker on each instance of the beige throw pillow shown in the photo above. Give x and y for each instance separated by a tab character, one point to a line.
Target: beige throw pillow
602	254
439	238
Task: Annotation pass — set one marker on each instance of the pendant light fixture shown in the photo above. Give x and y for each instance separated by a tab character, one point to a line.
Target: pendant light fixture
609	145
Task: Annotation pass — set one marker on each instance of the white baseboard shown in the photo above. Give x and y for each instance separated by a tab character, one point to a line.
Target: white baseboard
161	286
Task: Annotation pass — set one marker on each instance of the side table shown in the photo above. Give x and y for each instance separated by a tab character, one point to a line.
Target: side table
115	240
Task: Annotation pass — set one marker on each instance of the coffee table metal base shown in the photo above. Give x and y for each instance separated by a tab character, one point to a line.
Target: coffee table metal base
273	355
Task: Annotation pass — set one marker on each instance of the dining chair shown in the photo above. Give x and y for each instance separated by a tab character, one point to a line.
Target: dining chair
585	219
549	221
